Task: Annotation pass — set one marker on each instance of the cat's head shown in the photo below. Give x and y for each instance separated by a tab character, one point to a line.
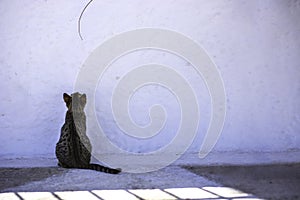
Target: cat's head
75	102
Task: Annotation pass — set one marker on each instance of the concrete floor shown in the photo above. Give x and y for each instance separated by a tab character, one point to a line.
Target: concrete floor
280	181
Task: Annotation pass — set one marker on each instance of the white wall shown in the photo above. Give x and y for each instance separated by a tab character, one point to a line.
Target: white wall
255	45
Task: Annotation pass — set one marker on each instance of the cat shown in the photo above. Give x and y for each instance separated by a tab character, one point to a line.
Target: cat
73	150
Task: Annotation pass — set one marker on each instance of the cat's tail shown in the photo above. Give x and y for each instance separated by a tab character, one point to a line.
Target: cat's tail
104	169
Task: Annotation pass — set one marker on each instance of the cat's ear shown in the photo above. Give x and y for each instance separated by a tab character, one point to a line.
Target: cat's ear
67	98
83	99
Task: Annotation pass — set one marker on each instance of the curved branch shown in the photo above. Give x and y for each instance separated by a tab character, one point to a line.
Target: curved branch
79	20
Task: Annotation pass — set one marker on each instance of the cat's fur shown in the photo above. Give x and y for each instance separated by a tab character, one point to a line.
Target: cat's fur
73	150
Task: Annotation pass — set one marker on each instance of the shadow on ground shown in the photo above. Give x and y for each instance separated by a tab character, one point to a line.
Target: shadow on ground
13	177
53	179
264	181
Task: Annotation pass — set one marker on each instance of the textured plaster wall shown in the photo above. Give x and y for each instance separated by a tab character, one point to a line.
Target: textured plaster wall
255	45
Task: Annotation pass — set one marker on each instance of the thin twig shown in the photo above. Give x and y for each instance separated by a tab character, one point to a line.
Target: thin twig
79	20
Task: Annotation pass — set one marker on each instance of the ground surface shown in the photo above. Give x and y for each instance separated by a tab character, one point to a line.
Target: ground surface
262	181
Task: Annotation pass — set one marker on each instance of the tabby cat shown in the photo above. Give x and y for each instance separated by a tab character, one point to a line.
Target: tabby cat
73	150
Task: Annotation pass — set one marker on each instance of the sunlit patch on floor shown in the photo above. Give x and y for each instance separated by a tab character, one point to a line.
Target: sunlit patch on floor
134	194
87	195
114	194
36	195
8	196
191	193
152	194
226	192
